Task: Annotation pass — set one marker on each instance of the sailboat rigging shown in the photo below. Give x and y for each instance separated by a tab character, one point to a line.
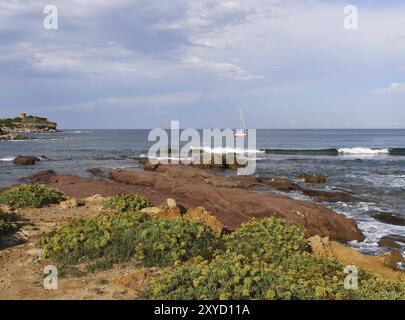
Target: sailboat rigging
242	131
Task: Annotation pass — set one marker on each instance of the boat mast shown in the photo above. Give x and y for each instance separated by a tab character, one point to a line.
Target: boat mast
242	121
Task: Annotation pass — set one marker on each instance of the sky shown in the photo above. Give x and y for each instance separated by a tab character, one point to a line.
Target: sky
128	64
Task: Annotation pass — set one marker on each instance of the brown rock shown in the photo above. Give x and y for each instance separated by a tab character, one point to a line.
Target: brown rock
233	206
320	247
25	160
392	242
310	178
153	211
147	165
219	161
194	187
202	215
392	259
389	218
98	172
171	203
169	213
282	184
96	199
327	196
70	203
41	177
376	264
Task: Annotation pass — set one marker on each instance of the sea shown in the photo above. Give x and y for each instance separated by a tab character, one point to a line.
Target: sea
366	163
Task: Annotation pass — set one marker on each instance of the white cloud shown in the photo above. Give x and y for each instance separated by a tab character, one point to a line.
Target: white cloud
221	68
79	60
174	99
157	100
394	87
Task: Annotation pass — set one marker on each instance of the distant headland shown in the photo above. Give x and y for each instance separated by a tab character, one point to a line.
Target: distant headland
12	128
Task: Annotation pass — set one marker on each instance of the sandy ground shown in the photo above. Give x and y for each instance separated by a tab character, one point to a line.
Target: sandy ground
22	268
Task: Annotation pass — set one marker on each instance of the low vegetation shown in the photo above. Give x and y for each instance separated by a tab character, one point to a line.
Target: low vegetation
264	259
250	267
106	239
9	122
30	195
5	223
270	239
126	203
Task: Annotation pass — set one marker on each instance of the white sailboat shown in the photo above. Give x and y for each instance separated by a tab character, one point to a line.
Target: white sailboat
241	133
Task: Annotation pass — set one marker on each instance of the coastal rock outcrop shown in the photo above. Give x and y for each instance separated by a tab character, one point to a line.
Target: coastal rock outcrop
385	264
41	177
232	200
232	204
10	128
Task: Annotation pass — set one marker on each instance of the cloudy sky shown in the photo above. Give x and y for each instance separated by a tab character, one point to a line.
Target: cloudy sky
142	63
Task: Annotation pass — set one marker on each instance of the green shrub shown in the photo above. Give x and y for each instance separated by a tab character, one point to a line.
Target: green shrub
5	223
267	259
237	277
126	203
106	239
271	239
30	195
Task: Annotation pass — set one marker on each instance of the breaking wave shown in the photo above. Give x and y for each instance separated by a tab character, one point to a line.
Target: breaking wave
338	151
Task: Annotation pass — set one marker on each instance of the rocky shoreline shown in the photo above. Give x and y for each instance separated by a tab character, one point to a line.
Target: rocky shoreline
233	200
176	192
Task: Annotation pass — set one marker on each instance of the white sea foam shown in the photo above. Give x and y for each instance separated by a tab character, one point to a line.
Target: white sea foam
363	151
228	150
386	181
7	159
372	229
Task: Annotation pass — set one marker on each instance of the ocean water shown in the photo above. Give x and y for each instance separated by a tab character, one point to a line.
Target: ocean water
368	163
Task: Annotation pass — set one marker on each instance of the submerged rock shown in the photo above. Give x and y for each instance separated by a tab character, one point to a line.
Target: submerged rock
310	178
392	241
98	172
41	177
388	217
328	196
282	184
